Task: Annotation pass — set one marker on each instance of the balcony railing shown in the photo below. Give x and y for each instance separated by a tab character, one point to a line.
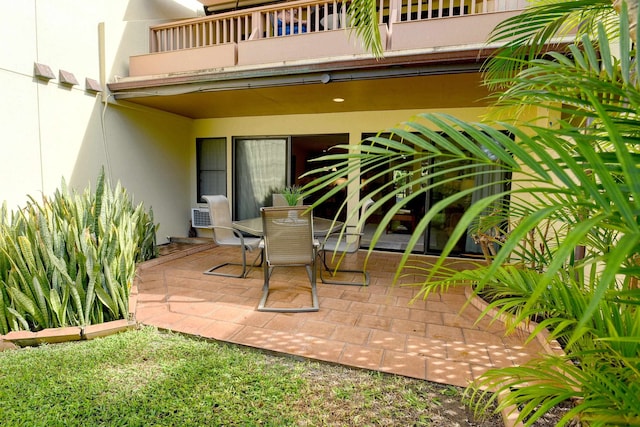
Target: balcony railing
268	36
307	16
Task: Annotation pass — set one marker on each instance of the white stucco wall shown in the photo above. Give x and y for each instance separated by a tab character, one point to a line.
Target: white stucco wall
50	131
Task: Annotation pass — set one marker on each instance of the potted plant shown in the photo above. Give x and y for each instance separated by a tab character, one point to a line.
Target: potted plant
291	195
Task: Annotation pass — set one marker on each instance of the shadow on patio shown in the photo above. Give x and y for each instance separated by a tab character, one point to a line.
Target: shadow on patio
376	327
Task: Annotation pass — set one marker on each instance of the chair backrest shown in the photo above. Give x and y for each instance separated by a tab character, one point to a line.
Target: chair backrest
365	207
349	242
220	215
288	235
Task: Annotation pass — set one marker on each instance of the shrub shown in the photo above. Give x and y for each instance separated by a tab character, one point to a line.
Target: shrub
70	260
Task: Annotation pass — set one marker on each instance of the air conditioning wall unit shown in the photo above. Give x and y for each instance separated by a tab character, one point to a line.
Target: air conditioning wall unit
200	218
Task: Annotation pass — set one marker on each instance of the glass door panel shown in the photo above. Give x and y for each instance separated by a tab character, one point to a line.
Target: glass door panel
439	230
212	166
260	168
444	223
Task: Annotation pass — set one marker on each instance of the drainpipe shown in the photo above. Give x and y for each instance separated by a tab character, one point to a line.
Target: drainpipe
102	61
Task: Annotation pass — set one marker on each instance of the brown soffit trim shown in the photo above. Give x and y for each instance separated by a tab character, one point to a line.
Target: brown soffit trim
469	60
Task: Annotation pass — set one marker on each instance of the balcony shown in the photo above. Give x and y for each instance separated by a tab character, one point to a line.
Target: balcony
238	63
250	39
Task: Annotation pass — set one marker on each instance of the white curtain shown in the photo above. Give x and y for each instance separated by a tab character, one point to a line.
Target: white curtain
260	170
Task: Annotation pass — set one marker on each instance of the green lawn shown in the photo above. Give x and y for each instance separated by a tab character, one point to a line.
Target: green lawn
148	378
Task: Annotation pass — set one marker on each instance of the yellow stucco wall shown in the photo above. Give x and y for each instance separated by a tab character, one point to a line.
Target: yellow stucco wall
354	124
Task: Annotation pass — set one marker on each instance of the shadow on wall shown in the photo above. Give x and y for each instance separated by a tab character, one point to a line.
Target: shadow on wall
142	151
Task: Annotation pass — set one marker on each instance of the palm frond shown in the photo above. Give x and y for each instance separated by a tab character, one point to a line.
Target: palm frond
364	18
566	235
528	35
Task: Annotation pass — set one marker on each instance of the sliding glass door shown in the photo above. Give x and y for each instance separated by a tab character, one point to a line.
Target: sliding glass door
440	229
261	166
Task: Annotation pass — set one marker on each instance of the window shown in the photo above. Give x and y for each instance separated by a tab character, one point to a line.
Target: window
211	156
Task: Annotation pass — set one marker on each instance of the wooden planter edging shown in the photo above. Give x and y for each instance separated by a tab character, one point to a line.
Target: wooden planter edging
70	333
550	346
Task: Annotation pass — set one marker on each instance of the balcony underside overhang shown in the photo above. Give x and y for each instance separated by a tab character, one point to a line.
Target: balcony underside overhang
420	81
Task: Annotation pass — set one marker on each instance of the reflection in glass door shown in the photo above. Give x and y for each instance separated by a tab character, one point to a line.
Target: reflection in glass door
260	168
439	230
444	223
486	183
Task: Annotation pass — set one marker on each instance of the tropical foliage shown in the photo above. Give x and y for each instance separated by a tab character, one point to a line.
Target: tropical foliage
562	239
70	260
292	194
363	17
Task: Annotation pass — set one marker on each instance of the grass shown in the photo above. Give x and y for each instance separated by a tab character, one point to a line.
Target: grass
149	378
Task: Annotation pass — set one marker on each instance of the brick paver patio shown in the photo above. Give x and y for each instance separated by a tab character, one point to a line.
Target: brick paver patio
376	327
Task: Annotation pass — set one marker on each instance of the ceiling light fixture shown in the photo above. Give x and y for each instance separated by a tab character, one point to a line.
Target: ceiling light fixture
338	99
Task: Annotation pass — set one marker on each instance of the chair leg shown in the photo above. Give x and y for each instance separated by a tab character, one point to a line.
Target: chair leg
212	270
365	275
314	291
245	269
265	289
261	256
265	294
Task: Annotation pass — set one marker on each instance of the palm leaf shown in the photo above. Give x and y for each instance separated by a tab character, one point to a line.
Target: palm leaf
575	185
364	18
527	35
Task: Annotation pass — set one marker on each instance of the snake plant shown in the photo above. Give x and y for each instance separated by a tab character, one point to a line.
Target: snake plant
70	260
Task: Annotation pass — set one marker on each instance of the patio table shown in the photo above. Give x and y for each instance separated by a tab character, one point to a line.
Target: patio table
321	226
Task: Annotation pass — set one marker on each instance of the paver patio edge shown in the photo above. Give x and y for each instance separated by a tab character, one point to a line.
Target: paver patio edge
551	346
510	413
